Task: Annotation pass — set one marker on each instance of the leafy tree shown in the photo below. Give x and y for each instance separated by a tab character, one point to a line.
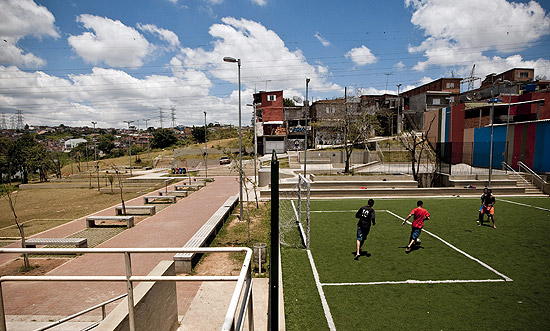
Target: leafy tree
5	168
106	143
288	102
163	138
21	157
198	134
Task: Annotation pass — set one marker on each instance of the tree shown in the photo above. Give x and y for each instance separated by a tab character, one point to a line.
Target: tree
288	102
198	134
8	192
163	138
416	145
106	143
5	165
21	156
120	186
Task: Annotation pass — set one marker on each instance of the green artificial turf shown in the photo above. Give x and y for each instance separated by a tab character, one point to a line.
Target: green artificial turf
517	249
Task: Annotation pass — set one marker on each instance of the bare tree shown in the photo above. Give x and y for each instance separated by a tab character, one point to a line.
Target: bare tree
8	192
120	186
416	145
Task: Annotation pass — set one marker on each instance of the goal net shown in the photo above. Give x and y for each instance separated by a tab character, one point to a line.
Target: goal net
294	213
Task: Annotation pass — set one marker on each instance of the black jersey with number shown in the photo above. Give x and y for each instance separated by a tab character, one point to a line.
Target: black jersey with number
366	215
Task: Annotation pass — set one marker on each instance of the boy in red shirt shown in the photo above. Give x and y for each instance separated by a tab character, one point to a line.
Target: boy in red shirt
420	215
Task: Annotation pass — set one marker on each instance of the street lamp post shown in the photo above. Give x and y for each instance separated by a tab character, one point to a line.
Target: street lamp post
95	158
398	106
205	146
305	128
130	145
148	141
238	61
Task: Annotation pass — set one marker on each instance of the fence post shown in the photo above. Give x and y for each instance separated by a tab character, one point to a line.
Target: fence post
273	316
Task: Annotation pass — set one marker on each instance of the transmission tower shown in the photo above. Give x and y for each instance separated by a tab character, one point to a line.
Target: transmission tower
3	123
160	116
471	79
20	125
173	113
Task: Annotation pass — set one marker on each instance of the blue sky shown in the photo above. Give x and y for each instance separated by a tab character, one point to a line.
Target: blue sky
77	61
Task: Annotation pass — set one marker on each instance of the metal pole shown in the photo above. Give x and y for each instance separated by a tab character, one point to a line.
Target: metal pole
491	115
240	149
507	124
273	311
3	326
130	291
205	146
398	106
305	128
130	145
255	148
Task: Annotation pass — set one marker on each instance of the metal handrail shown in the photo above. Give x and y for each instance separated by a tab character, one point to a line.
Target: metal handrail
534	175
229	321
507	166
87	310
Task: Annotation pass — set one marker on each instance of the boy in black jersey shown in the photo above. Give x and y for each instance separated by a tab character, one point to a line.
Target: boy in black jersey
366	215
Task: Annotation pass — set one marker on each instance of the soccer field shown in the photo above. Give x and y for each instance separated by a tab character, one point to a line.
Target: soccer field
462	277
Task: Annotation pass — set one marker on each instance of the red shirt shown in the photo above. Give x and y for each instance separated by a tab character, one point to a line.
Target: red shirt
420	215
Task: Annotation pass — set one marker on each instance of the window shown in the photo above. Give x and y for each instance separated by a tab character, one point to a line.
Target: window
524	74
271	97
450	85
436	101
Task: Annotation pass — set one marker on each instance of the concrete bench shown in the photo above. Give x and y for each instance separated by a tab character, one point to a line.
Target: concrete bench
193	187
90	220
176	193
78	242
151	210
155	198
184	261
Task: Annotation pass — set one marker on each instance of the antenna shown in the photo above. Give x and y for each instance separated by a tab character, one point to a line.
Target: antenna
297	99
388	74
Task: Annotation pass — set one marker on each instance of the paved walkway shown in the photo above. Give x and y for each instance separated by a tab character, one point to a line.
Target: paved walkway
171	227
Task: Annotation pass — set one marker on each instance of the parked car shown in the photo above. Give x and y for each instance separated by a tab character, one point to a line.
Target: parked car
225	160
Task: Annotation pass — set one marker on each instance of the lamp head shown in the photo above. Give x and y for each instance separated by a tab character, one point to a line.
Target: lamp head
229	59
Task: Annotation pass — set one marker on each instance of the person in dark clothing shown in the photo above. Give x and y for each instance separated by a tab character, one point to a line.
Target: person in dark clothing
366	215
487	207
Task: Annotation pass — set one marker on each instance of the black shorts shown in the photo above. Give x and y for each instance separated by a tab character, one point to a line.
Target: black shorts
362	233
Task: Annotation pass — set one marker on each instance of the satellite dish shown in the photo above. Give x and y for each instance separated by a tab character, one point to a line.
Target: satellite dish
297	99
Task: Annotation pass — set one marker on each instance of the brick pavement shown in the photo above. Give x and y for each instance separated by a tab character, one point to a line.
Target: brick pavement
170	227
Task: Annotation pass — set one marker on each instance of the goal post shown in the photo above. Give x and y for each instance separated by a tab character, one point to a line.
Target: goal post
295	213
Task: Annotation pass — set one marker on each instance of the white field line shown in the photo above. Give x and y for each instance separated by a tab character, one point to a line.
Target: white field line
523	204
413	281
506	278
326	308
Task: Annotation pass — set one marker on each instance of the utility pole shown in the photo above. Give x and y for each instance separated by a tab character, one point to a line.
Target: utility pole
130	145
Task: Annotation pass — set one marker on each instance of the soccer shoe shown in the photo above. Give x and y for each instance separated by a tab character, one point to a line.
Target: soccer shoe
478	223
356	258
408	249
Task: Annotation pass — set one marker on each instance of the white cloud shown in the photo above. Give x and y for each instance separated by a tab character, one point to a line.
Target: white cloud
323	41
459	32
18	19
263	54
110	42
260	2
361	56
399	66
163	34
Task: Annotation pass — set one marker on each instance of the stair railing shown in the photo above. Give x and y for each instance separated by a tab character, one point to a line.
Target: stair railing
535	178
507	167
